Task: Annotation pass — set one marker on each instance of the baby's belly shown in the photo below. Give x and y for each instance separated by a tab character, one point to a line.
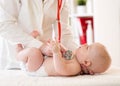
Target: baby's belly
49	67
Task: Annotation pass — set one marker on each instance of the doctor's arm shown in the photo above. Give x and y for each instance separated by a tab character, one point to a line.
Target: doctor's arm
67	36
9	27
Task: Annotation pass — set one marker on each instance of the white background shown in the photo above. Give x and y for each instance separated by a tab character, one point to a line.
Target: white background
107	26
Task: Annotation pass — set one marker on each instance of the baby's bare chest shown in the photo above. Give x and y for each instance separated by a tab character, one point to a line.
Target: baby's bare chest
49	66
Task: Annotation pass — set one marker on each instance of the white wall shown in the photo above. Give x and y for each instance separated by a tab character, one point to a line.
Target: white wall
107	26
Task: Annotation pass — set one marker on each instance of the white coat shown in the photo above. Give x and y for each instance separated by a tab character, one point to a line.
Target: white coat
20	17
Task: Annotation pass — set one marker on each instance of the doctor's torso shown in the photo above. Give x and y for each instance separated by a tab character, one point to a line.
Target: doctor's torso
35	14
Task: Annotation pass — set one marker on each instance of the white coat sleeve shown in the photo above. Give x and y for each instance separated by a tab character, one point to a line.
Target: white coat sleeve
67	35
9	27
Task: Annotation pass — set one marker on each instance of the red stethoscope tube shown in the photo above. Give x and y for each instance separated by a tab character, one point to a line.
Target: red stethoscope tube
58	19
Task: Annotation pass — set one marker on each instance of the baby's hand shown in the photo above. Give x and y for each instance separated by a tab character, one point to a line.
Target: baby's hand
55	46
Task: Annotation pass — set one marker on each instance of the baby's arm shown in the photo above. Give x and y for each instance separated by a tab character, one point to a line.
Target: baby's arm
63	66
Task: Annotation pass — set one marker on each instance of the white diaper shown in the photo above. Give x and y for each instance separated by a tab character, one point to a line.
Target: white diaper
39	72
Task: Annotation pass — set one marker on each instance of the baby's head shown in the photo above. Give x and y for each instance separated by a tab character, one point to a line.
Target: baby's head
94	57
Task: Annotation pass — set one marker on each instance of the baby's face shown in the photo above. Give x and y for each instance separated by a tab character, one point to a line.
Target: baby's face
86	51
82	52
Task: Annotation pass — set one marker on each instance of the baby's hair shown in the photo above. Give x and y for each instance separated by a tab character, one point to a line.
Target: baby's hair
102	57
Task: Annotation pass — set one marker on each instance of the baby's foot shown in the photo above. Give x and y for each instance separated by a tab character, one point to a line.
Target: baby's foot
19	47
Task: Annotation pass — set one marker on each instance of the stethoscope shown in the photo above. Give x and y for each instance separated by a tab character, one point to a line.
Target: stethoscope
68	54
59	4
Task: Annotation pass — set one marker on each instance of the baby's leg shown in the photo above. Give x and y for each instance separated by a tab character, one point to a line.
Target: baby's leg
32	57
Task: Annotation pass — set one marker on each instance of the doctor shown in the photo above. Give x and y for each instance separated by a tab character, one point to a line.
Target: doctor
18	18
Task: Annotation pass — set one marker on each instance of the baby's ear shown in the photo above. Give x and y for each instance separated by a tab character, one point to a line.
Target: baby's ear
87	63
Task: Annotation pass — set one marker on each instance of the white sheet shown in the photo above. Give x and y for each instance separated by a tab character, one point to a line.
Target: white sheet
19	78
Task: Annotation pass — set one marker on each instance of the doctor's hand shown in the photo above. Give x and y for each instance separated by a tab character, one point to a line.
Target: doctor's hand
57	47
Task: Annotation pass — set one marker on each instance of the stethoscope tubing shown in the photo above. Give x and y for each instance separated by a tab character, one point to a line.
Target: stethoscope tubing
59	4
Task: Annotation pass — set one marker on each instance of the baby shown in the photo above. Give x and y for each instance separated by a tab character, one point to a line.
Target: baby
87	59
